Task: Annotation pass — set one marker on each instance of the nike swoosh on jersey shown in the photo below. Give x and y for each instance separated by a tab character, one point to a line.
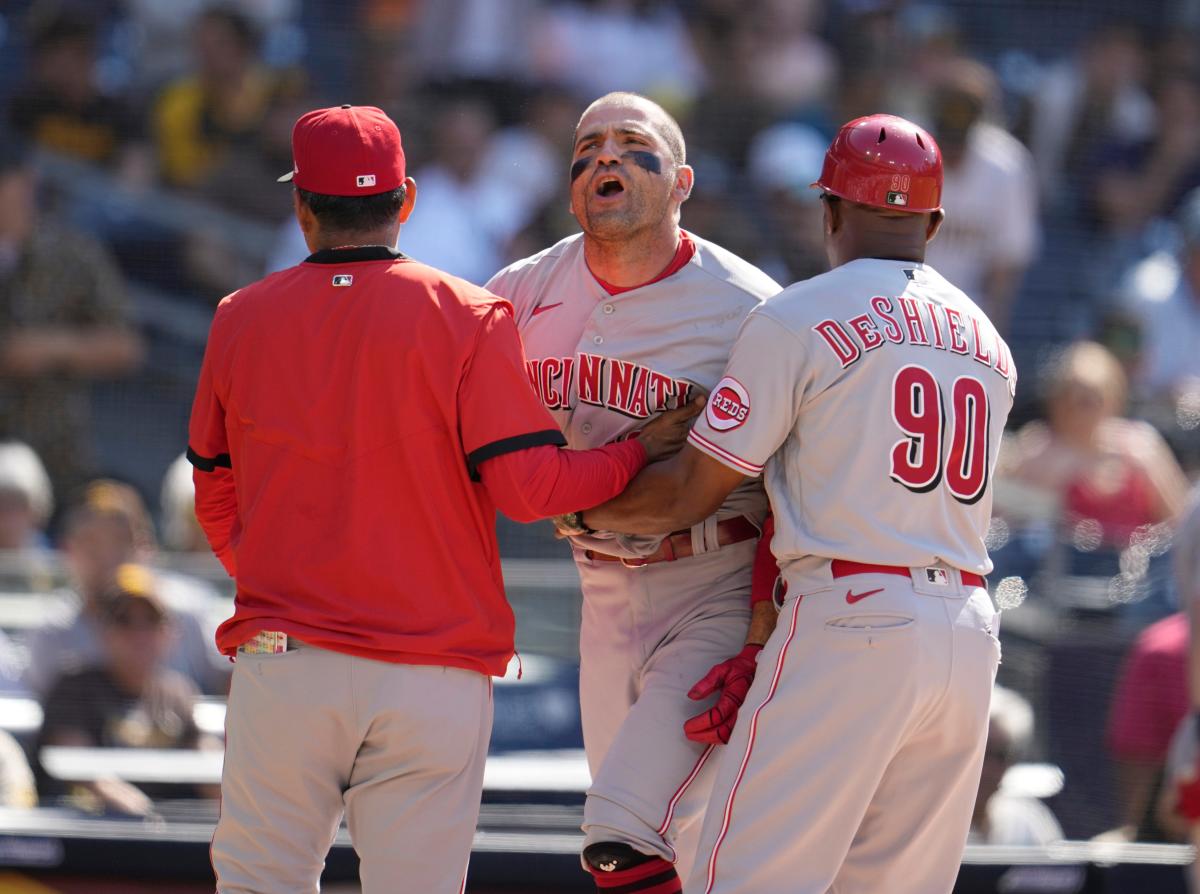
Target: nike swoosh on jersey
852	597
544	308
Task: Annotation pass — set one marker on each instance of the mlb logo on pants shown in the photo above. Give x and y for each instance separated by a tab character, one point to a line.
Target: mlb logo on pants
937	576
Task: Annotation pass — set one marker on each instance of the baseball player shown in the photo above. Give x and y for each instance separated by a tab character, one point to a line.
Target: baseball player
873	397
619	323
358	419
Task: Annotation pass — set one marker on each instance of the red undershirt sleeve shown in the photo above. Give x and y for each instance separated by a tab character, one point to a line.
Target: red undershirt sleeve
766	569
539	482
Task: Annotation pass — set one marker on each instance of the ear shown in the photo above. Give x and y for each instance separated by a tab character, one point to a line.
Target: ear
410	199
833	217
936	219
305	217
685	179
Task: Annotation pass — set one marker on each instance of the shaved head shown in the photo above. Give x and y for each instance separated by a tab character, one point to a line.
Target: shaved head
664	125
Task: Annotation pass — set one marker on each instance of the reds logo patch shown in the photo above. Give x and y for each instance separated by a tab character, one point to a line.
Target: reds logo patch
728	406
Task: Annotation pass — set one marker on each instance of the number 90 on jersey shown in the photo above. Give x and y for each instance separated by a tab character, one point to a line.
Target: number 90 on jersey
921	460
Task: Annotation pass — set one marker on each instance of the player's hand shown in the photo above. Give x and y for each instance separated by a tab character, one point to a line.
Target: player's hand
665	434
733	677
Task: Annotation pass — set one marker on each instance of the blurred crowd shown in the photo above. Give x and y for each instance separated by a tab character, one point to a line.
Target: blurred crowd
142	143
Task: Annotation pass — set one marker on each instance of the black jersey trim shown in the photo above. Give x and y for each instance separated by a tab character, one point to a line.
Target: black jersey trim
354	253
551	437
209	464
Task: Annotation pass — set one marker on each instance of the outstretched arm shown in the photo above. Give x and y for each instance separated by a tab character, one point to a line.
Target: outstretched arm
667	496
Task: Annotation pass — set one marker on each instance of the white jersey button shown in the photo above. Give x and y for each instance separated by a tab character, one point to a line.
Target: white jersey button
586	428
598	340
608	308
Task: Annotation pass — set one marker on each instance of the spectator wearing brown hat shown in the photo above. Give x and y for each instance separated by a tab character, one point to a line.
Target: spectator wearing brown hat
107	526
128	698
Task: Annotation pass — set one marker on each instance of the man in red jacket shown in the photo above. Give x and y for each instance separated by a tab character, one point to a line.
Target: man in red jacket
358	420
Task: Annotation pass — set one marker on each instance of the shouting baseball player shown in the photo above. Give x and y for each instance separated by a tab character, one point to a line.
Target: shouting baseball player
620	323
874	397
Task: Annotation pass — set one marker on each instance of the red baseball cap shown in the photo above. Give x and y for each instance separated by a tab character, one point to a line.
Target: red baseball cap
346	151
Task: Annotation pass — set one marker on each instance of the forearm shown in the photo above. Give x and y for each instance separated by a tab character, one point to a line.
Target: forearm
104	352
1135	782
667	496
763	618
538	482
655	503
92	351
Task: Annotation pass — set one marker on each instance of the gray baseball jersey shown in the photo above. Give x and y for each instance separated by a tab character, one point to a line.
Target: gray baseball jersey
603	364
873	396
908	385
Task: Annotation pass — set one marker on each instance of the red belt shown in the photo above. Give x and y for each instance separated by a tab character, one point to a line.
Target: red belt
842	568
679	544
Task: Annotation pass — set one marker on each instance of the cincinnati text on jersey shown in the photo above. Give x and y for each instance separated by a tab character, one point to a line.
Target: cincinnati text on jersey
628	388
915	321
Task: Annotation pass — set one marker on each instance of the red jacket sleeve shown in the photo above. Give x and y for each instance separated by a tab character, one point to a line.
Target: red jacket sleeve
542	481
766	569
498	411
208	452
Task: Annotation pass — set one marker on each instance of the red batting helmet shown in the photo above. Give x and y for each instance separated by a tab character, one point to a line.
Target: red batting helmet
886	162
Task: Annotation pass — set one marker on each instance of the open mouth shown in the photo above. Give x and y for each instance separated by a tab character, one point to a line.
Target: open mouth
609	186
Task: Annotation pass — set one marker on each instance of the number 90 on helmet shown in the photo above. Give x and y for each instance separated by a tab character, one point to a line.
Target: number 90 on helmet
886	162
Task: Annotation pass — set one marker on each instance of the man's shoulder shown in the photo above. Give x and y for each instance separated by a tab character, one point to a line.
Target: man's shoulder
816	296
738	273
951	295
62	618
528	275
261	295
998	149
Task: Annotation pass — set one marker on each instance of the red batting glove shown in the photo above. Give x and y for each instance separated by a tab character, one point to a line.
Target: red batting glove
733	677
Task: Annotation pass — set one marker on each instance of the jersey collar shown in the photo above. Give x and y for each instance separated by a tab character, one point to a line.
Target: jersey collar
352	253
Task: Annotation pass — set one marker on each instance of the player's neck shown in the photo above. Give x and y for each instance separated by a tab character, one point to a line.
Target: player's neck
319	241
886	251
631	262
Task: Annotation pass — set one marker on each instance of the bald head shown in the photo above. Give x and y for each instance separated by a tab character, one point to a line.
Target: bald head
655	116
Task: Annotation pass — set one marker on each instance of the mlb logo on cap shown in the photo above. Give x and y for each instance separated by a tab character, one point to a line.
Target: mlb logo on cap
330	147
897	198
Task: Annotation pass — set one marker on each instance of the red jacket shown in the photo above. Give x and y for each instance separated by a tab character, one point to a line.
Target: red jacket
344	408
